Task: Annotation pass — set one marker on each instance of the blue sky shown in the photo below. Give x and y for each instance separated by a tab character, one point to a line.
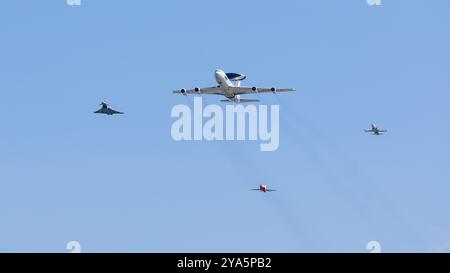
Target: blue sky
122	184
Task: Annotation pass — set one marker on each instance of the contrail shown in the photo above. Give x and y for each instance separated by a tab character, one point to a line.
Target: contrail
369	189
283	207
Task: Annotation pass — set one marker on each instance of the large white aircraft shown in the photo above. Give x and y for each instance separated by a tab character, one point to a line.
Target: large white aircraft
231	91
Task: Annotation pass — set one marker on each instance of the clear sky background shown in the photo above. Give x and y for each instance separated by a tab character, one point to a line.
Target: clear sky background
120	183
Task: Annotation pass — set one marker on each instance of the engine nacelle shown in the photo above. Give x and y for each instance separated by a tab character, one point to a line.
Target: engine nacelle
273	89
197	90
183	91
254	89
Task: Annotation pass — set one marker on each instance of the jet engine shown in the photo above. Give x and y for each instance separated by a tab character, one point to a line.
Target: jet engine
197	90
183	91
273	90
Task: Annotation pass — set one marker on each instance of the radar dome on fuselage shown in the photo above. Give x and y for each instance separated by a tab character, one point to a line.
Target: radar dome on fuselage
236	76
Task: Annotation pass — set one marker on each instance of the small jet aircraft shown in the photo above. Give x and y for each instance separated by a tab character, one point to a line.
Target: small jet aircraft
375	130
263	188
106	110
231	91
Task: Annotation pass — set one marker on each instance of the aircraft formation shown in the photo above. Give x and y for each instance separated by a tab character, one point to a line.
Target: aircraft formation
232	93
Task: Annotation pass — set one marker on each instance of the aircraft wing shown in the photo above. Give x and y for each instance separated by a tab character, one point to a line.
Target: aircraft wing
100	111
208	90
254	189
111	112
107	111
248	90
271	190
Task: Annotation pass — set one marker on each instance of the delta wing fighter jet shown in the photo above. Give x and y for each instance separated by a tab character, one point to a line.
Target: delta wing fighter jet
106	110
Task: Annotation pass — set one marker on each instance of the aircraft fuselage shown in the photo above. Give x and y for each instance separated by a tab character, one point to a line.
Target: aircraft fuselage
263	188
224	83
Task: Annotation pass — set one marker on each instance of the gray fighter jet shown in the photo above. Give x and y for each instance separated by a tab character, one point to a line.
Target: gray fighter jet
106	110
375	130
